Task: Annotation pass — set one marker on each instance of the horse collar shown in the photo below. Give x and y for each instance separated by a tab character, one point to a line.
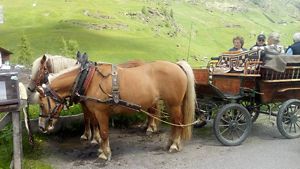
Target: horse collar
82	81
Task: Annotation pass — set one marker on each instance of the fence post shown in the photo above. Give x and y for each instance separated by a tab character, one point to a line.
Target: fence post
17	136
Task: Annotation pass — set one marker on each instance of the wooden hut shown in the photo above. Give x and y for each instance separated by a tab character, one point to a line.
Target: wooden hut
4	56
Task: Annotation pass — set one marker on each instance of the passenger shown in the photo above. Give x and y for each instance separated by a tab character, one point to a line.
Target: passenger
261	41
294	49
272	48
238	43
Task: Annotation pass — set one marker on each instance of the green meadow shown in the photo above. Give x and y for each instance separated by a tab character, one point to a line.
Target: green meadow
121	30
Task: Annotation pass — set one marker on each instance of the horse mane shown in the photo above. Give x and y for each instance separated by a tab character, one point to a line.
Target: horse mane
54	76
58	62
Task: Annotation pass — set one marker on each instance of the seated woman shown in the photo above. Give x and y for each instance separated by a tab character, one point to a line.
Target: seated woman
238	43
272	48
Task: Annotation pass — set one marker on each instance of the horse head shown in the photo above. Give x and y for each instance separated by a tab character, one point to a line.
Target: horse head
52	97
39	73
51	104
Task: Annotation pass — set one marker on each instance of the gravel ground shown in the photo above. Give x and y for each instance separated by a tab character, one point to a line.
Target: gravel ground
265	148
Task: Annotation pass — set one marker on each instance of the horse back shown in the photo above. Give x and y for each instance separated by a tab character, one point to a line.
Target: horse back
153	80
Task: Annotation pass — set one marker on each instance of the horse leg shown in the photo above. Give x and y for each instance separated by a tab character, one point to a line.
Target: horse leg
174	144
152	125
96	135
87	126
103	121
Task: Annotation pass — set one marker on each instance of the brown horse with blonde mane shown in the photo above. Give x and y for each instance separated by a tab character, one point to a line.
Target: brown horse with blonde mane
142	85
47	65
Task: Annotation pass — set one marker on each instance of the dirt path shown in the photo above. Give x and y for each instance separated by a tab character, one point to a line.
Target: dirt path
131	149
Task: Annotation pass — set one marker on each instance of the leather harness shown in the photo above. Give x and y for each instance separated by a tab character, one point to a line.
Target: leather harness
81	84
114	98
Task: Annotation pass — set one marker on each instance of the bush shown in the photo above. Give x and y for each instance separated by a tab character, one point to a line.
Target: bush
144	11
70	47
25	52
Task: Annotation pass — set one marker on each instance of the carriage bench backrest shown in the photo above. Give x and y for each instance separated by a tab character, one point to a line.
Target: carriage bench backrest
282	68
238	62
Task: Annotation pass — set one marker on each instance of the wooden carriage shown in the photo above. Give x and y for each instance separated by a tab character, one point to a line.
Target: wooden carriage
234	89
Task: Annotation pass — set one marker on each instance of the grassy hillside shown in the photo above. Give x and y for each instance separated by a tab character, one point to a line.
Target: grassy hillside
120	30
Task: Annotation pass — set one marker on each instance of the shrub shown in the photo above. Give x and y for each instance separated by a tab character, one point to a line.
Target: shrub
69	47
25	51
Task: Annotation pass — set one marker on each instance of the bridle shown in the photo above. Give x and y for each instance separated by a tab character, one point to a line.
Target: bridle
59	103
42	77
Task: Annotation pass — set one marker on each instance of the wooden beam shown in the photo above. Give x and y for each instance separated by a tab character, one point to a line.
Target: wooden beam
17	140
282	80
289	89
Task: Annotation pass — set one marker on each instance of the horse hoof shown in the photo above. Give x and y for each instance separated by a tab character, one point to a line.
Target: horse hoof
83	137
104	157
94	142
173	148
149	132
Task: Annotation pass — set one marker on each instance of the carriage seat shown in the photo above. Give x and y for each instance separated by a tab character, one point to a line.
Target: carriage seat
238	62
280	62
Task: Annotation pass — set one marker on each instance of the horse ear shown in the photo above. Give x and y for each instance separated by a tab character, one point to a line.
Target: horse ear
85	57
44	58
78	54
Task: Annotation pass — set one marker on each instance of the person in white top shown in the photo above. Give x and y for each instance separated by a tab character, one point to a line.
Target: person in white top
273	46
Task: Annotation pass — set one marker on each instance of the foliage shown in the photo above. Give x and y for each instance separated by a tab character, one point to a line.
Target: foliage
145	11
25	51
125	121
34	111
139	40
31	156
6	146
171	13
70	47
75	109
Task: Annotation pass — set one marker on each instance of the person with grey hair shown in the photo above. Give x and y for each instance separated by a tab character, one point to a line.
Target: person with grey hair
273	47
294	49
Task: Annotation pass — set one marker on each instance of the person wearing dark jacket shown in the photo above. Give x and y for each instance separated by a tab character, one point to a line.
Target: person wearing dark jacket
294	49
261	41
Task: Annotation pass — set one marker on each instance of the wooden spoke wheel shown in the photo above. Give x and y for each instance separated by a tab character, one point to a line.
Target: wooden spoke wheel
288	119
232	124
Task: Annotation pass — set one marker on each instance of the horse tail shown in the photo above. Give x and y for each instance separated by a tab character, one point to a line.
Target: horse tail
188	107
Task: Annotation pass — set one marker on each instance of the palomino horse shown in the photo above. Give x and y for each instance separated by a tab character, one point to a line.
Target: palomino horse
143	85
47	64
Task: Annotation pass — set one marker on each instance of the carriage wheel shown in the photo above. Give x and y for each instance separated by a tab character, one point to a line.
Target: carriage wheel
288	119
232	124
252	108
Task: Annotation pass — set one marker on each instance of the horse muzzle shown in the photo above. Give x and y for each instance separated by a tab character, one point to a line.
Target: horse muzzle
42	125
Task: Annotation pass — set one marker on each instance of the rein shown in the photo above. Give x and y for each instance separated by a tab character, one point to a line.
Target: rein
59	103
